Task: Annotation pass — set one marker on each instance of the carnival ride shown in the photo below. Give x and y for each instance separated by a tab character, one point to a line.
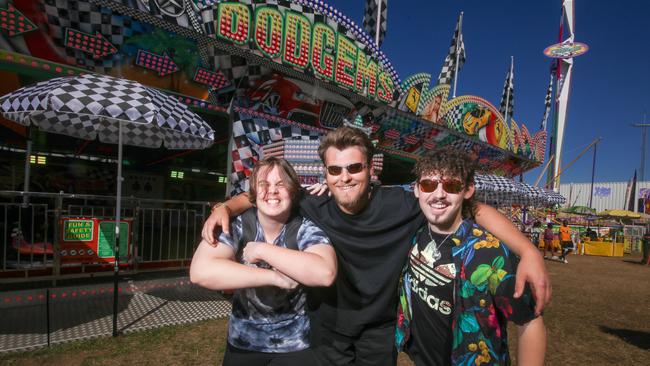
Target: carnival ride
278	69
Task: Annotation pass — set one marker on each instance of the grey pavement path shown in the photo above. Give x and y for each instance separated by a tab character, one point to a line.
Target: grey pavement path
85	311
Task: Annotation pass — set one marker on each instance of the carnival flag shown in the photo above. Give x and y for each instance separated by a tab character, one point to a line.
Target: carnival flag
455	57
547	103
508	96
232	160
374	19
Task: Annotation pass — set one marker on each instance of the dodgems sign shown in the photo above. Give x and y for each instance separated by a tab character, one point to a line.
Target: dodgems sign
290	37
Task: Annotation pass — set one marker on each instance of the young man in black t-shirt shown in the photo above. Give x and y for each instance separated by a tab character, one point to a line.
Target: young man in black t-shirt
456	294
370	228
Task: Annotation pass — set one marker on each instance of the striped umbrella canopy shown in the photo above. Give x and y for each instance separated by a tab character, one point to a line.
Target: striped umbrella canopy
553	198
496	190
91	106
529	195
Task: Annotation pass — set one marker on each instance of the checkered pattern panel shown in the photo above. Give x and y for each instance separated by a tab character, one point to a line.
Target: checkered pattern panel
454	117
30	98
495	190
373	15
236	68
81	126
89	18
91	105
530	195
137	134
185	130
250	134
104	96
553	198
179	12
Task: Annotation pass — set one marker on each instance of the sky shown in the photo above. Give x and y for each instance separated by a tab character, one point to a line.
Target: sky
611	82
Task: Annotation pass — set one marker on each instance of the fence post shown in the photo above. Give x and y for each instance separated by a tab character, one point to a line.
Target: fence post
47	314
135	249
56	269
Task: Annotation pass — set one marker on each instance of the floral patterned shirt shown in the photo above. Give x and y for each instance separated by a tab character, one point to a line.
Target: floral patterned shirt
483	301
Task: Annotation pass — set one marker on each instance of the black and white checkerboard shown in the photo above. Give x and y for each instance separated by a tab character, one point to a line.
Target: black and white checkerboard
91	106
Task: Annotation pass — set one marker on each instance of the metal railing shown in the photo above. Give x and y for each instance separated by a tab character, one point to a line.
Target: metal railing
164	232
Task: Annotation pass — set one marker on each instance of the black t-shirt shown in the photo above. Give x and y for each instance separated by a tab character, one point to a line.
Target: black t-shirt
432	280
371	249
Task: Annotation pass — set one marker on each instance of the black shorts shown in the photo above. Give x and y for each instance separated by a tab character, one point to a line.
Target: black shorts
567	244
238	357
371	346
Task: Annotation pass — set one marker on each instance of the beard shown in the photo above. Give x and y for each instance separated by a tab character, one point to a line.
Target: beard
356	204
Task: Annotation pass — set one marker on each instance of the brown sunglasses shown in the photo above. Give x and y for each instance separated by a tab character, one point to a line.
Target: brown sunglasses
352	168
452	186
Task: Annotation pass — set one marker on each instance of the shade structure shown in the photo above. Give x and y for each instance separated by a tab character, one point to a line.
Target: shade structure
619	214
501	191
530	195
92	106
496	190
553	198
580	210
115	110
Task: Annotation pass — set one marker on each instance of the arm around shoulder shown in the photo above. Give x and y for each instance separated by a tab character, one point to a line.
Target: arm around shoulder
221	214
531	268
531	345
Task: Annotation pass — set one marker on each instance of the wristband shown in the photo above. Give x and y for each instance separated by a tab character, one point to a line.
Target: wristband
219	204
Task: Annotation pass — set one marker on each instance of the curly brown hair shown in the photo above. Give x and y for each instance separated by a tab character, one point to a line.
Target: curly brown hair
345	137
288	174
451	163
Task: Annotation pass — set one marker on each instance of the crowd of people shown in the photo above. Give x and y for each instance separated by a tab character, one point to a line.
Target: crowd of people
354	276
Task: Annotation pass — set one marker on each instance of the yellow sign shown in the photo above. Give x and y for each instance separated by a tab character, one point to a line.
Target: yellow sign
78	230
413	99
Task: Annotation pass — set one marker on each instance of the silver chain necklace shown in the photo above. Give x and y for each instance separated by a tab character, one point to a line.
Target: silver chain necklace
432	249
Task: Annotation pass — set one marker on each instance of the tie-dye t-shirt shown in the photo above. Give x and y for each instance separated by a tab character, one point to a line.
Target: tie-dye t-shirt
268	318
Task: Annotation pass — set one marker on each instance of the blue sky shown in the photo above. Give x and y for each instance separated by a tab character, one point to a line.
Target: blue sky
611	82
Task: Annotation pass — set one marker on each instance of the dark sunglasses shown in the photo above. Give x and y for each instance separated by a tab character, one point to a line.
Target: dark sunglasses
352	168
450	186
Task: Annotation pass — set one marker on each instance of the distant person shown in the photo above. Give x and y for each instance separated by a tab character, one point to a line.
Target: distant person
536	232
456	294
566	244
270	255
548	240
591	234
646	246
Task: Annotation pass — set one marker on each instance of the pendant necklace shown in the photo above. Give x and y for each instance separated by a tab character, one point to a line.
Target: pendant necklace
432	250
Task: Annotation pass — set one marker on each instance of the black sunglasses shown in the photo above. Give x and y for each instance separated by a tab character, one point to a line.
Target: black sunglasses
352	168
452	186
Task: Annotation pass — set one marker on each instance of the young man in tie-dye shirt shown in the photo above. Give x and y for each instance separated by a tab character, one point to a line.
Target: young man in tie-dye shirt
269	324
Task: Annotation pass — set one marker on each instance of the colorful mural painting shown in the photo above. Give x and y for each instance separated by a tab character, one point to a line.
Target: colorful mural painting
294	69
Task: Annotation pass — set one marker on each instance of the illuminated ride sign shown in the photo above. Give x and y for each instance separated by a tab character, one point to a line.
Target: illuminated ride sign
293	39
566	50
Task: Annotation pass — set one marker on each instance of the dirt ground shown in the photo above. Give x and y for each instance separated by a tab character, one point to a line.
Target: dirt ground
600	315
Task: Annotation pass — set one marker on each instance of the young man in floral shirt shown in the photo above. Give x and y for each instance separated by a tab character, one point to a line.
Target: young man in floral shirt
456	293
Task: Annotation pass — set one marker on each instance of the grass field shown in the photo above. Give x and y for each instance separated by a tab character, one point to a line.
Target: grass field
600	315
